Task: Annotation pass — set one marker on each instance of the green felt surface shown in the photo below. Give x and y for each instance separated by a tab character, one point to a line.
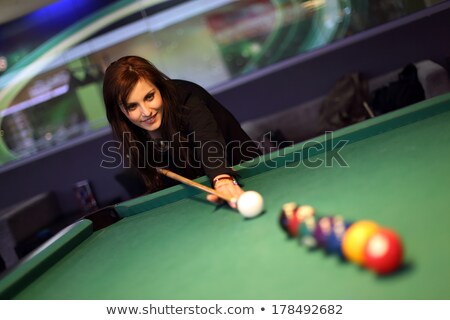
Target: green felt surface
44	257
175	245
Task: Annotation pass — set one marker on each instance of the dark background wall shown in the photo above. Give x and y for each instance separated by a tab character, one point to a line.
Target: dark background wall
424	35
59	170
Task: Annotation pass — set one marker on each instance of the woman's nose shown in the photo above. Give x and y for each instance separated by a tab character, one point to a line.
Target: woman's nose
145	111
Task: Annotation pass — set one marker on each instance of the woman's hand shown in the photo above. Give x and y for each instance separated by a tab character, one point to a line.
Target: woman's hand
226	185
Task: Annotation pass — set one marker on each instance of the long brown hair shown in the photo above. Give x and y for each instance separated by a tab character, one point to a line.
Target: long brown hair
120	78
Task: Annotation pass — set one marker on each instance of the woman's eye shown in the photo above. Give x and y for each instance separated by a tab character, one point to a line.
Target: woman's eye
131	107
149	96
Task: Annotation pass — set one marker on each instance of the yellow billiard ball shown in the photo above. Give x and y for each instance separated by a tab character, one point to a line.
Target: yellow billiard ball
355	240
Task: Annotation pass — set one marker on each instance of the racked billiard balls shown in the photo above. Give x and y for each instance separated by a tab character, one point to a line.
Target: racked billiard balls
384	252
292	215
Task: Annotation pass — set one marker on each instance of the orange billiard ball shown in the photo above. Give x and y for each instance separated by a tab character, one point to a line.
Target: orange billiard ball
384	252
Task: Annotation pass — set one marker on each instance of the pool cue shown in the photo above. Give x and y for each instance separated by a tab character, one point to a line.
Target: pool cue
194	184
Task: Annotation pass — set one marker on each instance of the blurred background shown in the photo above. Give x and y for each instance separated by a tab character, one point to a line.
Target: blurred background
53	58
257	57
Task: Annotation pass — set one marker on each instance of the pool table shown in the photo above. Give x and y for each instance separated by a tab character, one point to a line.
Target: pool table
393	169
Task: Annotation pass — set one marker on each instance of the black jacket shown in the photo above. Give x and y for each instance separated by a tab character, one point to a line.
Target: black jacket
213	133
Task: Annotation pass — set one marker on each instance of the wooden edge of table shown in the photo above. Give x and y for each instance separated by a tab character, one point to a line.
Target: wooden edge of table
45	256
297	152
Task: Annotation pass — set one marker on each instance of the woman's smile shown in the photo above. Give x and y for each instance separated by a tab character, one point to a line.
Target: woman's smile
144	106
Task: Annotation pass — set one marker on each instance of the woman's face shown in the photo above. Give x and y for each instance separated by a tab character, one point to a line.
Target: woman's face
144	106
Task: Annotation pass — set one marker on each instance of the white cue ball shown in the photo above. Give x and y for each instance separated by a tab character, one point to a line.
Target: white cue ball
250	204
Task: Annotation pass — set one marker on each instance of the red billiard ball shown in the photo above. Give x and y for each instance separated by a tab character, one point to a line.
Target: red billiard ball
293	222
383	252
287	216
292	215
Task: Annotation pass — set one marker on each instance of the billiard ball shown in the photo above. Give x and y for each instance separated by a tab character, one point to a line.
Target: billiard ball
299	214
333	243
292	226
384	252
306	232
323	230
305	211
289	209
250	204
283	221
355	240
286	215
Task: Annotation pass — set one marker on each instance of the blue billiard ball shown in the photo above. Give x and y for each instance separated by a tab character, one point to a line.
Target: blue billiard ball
334	240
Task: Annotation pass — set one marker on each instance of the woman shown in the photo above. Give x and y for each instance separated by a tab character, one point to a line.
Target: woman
173	124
